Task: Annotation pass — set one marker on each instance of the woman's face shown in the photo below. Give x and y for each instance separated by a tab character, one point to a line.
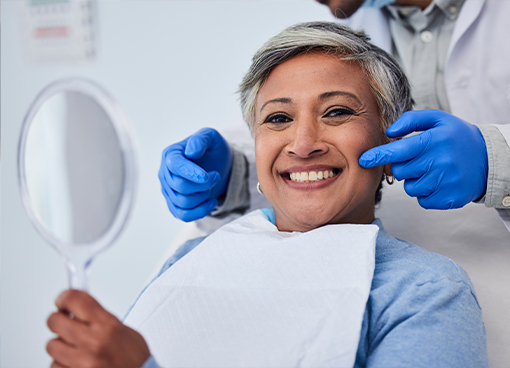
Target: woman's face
314	116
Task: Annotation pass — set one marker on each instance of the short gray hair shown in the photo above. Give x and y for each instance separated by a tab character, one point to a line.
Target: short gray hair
387	80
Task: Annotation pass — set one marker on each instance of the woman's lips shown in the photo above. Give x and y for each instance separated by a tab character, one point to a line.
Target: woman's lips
310	177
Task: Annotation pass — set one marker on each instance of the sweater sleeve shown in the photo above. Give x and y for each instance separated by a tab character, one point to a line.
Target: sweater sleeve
151	363
433	324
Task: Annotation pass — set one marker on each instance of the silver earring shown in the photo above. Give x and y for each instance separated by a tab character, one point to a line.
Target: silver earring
390	179
258	188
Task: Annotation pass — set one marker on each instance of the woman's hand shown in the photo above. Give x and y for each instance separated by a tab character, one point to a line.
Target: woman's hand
92	337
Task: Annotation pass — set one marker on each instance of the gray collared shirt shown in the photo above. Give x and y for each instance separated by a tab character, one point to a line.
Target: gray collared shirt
420	42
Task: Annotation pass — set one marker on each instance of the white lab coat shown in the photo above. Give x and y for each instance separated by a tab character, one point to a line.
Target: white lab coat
477	78
477	71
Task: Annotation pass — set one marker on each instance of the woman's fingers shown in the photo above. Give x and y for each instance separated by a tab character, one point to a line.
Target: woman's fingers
82	306
70	330
56	364
93	337
63	354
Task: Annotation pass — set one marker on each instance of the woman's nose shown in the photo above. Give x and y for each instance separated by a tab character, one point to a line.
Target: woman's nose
306	140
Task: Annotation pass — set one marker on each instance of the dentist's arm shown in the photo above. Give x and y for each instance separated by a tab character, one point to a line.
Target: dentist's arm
93	337
194	173
445	166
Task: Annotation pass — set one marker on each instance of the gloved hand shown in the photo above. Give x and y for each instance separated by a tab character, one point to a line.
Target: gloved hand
445	166
194	173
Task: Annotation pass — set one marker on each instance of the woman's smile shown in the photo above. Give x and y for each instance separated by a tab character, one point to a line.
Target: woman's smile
310	177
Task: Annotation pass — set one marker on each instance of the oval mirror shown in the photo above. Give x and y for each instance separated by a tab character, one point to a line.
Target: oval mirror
76	171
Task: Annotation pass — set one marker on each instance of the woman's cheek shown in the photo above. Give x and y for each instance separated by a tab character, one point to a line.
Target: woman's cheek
364	140
354	141
263	159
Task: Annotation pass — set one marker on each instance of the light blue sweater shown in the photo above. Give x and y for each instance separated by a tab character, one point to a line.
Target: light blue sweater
422	310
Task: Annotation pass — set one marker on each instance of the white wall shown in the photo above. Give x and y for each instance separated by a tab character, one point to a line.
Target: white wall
174	66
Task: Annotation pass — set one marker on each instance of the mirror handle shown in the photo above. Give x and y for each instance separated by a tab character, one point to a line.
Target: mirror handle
77	271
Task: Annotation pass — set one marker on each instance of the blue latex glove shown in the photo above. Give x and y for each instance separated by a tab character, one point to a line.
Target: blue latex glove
445	166
194	173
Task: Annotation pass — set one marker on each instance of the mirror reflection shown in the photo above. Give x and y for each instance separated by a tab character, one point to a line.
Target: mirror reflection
74	167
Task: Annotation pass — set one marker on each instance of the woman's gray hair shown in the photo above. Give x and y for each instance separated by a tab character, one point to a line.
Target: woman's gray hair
388	82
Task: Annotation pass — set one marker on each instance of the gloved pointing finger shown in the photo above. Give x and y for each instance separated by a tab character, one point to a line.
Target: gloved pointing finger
445	166
185	186
397	151
178	164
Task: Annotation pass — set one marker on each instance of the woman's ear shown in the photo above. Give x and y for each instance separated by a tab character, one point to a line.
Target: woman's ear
387	170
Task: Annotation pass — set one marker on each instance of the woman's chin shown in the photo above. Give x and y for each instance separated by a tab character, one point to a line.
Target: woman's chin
309	217
303	220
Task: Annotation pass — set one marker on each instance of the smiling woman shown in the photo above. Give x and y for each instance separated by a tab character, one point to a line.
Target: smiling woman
316	97
315	281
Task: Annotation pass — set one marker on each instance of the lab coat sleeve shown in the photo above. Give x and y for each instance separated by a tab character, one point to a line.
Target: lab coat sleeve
237	199
498	179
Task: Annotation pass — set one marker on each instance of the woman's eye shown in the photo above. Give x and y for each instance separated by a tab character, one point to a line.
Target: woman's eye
338	112
277	118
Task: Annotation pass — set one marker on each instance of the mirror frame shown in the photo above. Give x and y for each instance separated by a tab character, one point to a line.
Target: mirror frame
125	136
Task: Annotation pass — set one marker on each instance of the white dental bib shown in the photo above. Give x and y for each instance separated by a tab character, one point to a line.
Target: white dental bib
251	296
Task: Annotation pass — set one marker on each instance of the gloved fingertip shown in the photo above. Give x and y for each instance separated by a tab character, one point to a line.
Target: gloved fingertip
215	177
200	177
394	131
367	159
194	148
190	172
190	151
364	163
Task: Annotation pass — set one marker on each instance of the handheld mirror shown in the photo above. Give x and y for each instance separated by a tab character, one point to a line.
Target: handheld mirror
76	170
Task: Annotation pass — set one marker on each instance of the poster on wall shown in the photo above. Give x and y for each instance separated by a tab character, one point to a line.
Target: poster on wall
59	31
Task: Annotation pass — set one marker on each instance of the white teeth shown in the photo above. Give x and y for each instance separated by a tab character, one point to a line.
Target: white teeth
306	177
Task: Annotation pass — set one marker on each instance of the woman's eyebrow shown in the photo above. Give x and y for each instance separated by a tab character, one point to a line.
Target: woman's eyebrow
327	95
277	100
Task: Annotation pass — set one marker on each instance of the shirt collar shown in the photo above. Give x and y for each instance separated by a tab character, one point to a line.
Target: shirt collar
417	19
450	8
